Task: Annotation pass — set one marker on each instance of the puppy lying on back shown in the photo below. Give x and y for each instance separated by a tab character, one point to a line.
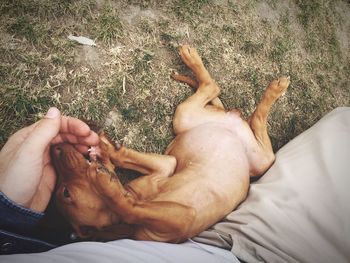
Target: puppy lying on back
202	176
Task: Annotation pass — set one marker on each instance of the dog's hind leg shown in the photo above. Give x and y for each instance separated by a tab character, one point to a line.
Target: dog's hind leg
207	89
195	109
194	85
258	120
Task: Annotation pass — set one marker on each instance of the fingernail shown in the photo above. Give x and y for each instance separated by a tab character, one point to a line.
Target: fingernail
52	113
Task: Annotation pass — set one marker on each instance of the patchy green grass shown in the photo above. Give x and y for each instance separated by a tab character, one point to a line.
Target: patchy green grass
280	50
108	26
123	84
189	10
309	10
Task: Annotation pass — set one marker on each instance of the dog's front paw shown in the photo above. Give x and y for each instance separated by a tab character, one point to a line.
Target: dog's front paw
103	180
117	153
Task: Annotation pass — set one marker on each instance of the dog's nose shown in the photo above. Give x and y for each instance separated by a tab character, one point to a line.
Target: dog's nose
57	151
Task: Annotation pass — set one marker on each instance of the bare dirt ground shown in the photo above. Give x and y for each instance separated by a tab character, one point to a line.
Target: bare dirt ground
123	83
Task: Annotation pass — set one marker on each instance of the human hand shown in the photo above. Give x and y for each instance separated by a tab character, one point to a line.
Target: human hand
27	176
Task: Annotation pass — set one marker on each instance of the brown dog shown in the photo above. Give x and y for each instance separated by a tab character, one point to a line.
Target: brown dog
203	175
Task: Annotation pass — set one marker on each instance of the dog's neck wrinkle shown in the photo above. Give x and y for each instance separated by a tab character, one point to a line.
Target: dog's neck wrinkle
130	191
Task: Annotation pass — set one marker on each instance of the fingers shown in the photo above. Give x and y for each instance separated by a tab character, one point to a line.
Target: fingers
54	129
43	132
90	140
82	148
74	126
75	131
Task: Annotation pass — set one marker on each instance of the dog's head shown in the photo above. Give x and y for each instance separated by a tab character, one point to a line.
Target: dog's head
76	197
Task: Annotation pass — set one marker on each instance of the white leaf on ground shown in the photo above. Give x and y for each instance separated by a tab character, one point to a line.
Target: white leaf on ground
82	40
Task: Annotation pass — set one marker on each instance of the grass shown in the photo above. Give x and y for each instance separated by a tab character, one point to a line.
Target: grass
279	50
108	27
123	84
309	11
190	10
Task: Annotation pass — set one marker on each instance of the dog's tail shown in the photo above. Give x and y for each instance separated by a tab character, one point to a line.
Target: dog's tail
185	79
194	85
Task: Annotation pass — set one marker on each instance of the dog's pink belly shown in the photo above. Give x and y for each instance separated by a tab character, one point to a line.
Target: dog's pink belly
212	173
209	157
211	145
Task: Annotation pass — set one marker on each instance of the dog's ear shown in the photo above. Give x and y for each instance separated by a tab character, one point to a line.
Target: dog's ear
84	232
114	232
108	233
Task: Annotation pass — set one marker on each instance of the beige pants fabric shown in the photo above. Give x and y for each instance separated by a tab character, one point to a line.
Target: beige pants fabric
299	211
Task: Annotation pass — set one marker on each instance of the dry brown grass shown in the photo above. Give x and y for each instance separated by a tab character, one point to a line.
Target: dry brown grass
124	83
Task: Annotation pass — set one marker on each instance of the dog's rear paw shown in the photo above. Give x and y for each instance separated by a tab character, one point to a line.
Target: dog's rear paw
190	56
278	87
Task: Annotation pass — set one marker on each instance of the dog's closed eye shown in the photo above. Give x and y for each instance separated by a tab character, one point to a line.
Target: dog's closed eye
66	194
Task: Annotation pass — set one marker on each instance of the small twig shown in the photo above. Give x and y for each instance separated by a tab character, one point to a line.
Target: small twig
187	34
124	80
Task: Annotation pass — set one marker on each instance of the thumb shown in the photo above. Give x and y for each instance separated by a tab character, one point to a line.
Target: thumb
45	130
